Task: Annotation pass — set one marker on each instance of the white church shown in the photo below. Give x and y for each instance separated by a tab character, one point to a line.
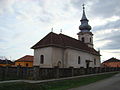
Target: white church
59	50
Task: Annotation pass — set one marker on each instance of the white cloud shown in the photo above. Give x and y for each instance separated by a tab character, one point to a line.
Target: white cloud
100	44
6	5
107	54
105	8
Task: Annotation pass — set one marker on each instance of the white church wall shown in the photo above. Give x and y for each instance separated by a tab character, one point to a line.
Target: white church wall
87	37
58	57
98	62
64	58
72	60
47	52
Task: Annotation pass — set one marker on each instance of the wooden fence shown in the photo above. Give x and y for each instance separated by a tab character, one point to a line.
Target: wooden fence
7	73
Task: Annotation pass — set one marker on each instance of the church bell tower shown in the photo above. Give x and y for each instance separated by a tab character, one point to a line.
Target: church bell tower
85	35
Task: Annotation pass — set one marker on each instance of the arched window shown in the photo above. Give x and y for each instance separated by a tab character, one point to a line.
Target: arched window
79	60
41	59
83	39
94	61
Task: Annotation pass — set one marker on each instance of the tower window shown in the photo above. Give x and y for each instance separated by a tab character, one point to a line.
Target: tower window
83	39
79	60
41	59
90	40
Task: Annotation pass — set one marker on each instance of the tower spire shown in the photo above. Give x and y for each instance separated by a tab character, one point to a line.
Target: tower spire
85	35
84	22
84	16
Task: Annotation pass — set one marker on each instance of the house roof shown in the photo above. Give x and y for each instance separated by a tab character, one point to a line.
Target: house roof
27	58
112	60
63	41
5	61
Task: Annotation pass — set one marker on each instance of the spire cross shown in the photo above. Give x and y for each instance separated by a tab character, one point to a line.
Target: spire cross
83	6
60	30
51	29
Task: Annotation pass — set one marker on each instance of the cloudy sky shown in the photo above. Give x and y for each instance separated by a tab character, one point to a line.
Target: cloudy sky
25	22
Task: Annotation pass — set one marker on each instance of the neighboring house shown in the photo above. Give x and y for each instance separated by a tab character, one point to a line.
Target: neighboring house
26	61
6	62
112	62
59	50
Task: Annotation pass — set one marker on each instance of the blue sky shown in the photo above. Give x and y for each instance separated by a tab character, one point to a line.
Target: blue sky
25	22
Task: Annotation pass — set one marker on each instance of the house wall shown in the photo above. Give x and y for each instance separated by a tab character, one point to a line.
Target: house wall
5	64
24	64
111	64
47	52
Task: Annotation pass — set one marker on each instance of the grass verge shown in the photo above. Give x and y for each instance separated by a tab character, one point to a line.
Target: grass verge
56	85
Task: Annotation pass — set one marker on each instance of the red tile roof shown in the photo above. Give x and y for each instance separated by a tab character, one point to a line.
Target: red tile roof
27	58
63	41
112	60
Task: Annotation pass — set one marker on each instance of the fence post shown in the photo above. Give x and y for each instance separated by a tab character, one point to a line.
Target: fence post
27	72
36	72
57	72
18	71
6	72
72	71
3	73
82	72
97	70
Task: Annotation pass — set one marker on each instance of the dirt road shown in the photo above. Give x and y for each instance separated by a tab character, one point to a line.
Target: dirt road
112	83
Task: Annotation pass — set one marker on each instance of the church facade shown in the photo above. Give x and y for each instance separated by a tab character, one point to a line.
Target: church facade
59	50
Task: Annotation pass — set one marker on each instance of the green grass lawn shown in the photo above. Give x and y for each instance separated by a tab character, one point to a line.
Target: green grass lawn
57	85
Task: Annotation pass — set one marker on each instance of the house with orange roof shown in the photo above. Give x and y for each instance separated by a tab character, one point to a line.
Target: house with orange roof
112	62
25	61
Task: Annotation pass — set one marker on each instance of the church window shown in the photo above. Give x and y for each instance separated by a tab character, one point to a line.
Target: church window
83	39
94	61
90	40
79	60
41	59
